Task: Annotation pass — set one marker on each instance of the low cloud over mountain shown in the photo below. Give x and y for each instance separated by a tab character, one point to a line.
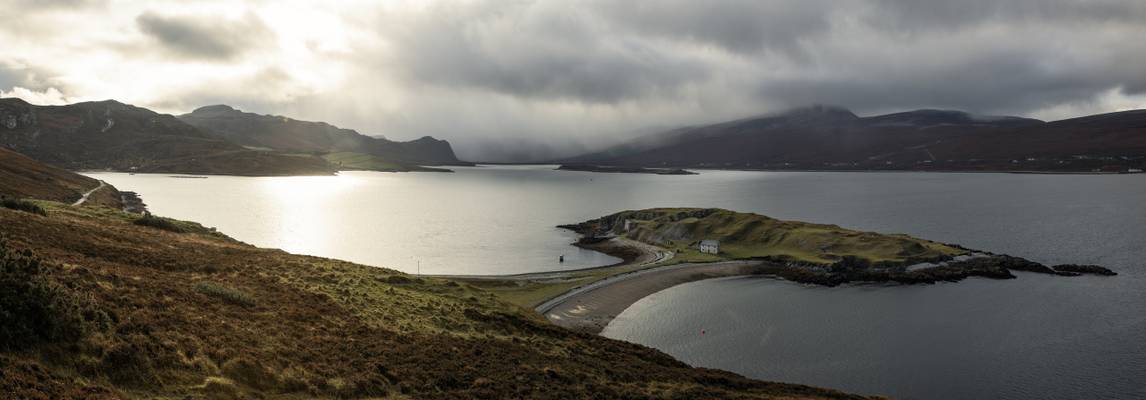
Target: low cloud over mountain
561	76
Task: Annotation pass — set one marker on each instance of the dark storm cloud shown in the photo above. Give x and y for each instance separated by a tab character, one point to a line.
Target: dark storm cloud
789	51
558	76
551	50
30	5
598	68
14	74
736	25
938	14
1018	77
10	77
204	37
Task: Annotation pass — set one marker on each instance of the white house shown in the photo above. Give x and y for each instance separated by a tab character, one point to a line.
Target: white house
710	246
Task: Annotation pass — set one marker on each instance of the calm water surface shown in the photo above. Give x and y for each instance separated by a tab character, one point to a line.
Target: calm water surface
1035	337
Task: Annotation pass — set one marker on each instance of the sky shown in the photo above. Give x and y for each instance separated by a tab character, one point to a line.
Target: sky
520	79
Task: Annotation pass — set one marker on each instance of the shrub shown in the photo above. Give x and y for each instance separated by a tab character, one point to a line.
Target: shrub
250	374
228	294
159	223
23	205
35	308
398	280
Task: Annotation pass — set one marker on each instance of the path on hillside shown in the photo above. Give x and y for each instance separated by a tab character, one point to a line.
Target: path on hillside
83	199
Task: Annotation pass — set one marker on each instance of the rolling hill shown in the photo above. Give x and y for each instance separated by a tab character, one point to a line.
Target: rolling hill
23	177
291	135
109	135
832	138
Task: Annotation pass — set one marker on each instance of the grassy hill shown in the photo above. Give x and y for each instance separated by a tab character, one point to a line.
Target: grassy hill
745	235
291	135
23	177
97	303
116	136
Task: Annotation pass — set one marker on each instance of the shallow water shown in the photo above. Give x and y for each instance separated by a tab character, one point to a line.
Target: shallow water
1031	338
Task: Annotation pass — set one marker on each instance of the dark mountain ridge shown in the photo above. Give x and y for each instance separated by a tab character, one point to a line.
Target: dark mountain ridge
109	135
833	138
287	134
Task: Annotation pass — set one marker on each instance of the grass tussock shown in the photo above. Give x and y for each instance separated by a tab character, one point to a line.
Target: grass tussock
159	223
35	308
23	205
228	294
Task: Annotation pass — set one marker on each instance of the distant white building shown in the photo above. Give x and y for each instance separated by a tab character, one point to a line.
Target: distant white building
709	246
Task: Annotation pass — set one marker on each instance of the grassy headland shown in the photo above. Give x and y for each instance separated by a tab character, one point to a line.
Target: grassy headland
803	252
745	235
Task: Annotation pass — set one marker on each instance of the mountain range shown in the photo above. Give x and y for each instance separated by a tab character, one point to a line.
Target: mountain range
286	134
109	135
833	138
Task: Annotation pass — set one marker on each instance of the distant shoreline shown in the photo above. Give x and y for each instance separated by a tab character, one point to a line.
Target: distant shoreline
954	171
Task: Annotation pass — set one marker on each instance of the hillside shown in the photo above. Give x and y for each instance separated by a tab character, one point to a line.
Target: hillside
23	177
108	135
291	135
832	138
98	303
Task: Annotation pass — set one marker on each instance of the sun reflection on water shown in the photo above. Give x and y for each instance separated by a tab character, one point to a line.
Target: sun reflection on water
304	207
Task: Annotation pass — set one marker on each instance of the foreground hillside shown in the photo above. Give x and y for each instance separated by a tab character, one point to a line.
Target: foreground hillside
23	177
116	136
831	138
98	304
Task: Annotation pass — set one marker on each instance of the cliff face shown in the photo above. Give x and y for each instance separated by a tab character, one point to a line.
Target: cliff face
286	134
117	136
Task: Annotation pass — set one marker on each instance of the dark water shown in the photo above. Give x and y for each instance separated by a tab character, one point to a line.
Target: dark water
1035	337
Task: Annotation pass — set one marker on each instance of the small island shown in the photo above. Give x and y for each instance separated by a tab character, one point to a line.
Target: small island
665	247
624	170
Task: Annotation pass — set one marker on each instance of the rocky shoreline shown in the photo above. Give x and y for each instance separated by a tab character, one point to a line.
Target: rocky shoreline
132	203
849	270
990	266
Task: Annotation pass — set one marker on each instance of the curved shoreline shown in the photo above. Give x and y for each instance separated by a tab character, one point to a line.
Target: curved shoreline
591	307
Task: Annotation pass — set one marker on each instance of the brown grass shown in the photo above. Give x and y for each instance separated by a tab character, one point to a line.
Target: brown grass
315	328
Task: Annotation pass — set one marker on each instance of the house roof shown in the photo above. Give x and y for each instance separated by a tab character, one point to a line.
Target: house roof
710	243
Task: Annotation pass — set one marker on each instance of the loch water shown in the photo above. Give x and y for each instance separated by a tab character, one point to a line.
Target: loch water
1036	337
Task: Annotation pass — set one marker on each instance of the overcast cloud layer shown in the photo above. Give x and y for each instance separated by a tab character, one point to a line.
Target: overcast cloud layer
505	78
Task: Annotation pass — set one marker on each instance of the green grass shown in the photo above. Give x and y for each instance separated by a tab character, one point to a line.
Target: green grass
159	223
23	205
35	308
225	293
744	235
